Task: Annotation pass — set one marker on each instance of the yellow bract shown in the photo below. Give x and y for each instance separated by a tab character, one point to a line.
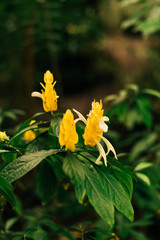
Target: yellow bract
92	131
48	77
3	136
68	136
31	122
49	95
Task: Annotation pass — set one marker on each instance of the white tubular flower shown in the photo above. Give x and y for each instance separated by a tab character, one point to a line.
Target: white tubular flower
81	117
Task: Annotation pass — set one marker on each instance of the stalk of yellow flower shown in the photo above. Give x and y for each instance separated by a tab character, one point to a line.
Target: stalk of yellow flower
68	136
3	136
48	95
95	126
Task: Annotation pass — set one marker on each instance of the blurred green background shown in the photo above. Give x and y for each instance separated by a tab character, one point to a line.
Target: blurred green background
93	48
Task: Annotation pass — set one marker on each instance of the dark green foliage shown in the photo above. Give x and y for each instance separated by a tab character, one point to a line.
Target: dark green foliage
46	181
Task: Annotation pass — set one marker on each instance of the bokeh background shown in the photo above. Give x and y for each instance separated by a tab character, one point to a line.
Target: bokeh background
93	47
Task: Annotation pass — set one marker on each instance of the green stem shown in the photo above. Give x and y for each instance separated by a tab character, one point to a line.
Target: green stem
17	150
82	236
52	113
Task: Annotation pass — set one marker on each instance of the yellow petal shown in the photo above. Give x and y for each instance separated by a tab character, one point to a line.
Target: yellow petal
68	136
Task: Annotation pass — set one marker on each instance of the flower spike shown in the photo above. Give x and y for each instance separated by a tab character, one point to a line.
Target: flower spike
95	126
48	95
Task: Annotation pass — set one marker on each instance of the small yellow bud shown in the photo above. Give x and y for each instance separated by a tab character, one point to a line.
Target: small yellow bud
29	136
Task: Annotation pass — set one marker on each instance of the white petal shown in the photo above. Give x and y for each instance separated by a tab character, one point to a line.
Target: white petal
36	94
98	159
105	119
81	117
109	146
103	126
102	153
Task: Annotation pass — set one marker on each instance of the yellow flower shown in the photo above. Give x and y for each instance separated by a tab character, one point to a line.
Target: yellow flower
30	135
3	136
68	136
95	126
92	131
48	95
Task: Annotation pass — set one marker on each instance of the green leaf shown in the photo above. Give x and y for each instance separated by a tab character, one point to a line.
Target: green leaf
114	191
133	118
24	164
55	162
143	144
46	182
125	180
122	111
6	190
10	222
117	165
80	131
85	180
144	109
143	165
55	125
144	178
152	92
123	175
98	197
75	170
9	156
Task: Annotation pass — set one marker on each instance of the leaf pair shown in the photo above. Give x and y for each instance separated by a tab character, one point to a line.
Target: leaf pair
104	191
